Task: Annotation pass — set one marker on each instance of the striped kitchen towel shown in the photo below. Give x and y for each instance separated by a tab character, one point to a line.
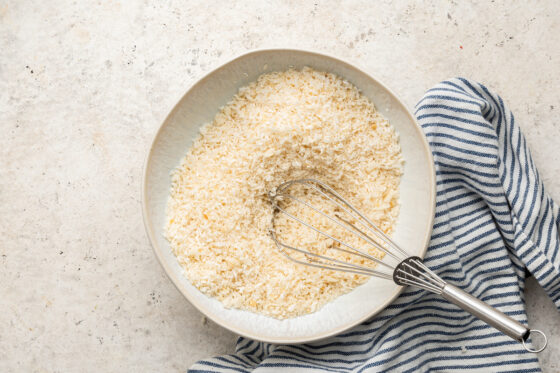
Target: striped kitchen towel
494	223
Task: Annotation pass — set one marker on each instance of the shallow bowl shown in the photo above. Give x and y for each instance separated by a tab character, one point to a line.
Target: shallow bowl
200	104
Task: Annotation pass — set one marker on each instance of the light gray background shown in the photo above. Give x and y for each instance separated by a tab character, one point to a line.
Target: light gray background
85	85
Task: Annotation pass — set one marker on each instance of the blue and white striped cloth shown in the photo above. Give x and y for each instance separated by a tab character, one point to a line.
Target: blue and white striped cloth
494	223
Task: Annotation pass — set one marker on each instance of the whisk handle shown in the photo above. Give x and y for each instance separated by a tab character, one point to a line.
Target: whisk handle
490	315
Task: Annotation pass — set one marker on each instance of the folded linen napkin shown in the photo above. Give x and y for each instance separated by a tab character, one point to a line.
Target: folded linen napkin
494	223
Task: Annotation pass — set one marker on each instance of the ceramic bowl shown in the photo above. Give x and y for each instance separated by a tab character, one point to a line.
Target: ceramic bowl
199	106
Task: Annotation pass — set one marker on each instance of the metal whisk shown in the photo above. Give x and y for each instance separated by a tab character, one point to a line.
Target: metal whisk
405	270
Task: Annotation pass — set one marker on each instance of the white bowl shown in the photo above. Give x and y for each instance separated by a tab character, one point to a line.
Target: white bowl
199	106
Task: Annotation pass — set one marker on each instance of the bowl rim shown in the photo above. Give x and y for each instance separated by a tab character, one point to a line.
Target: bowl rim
177	281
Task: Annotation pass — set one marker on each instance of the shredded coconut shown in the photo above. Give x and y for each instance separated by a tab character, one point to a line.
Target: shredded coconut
286	125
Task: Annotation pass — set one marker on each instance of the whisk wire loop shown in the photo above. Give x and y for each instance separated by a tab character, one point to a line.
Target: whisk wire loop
334	265
341	203
354	250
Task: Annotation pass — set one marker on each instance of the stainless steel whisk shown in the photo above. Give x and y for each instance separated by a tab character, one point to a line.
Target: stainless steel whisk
406	270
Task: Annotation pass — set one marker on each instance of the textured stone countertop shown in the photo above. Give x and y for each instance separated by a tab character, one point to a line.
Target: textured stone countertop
85	85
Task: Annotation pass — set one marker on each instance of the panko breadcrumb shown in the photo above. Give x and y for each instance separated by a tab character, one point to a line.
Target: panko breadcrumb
287	125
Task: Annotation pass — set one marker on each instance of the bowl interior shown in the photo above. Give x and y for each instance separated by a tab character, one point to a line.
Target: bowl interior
199	106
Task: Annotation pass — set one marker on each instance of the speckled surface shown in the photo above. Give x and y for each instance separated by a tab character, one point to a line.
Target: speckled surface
83	88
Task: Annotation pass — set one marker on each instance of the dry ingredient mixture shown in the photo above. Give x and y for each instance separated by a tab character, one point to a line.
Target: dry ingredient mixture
286	125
